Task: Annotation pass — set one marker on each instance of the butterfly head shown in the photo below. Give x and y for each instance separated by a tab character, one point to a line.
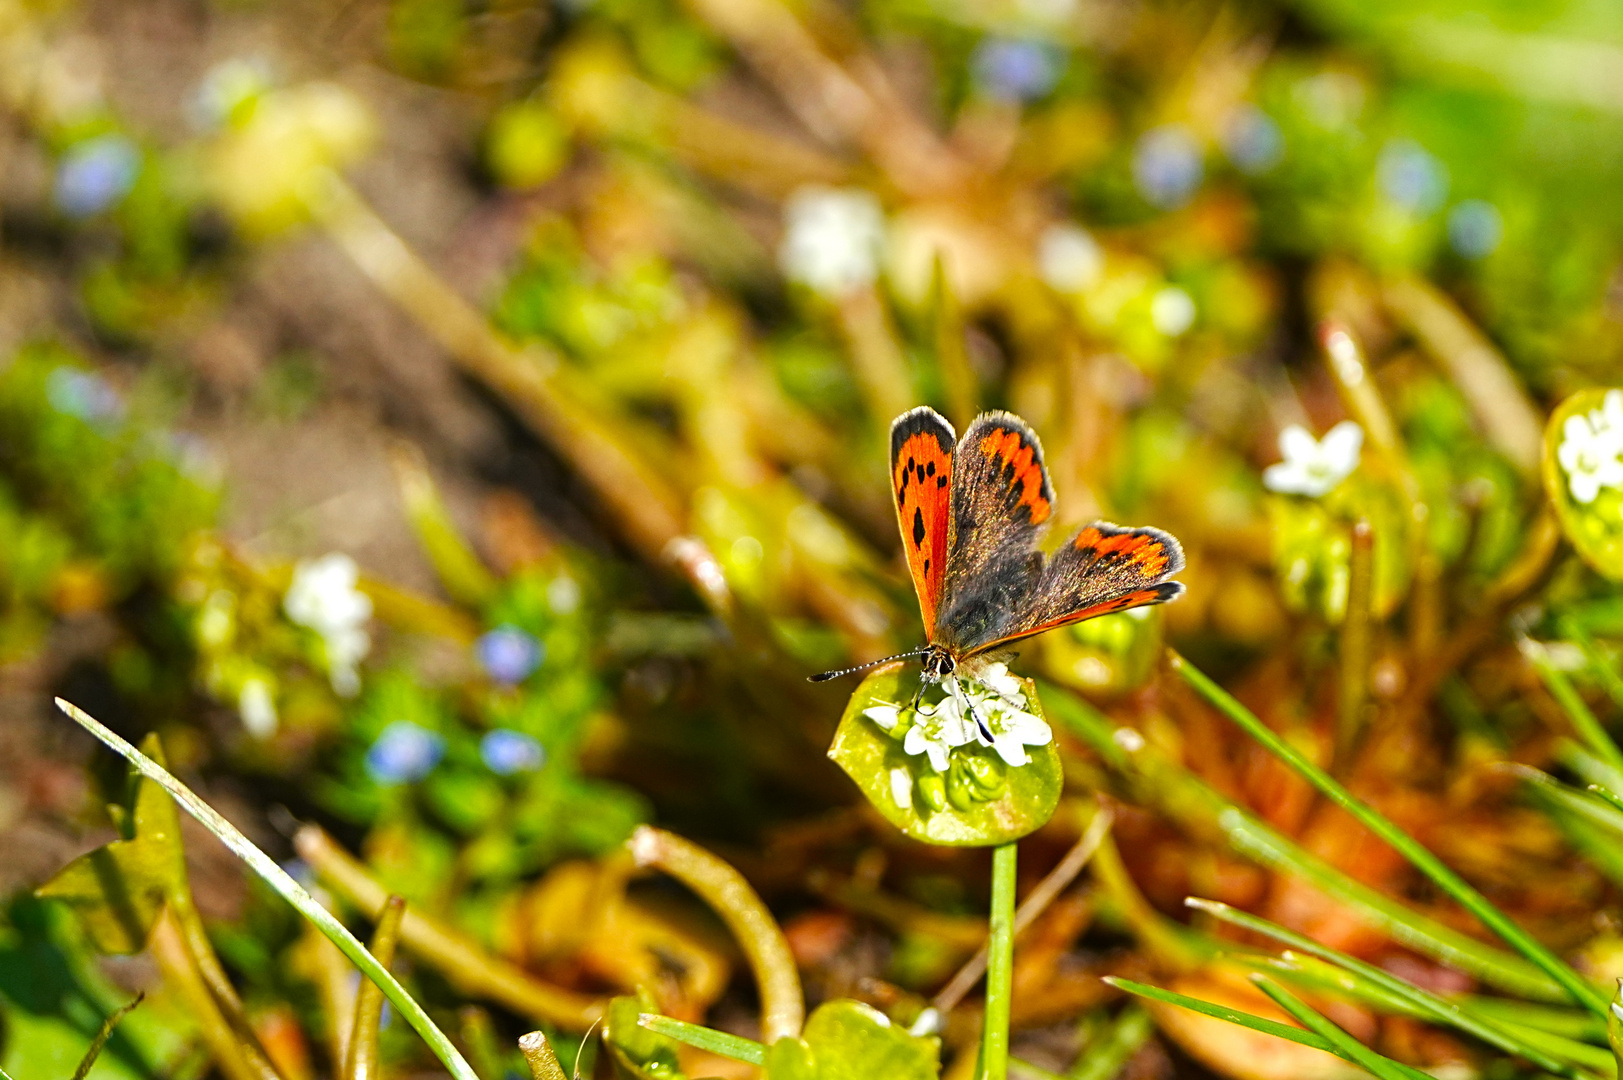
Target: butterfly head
939	663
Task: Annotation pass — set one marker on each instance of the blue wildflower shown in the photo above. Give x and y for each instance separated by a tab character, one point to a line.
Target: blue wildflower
1168	166
83	394
1475	228
1410	177
1015	69
96	174
403	753
1252	140
508	654
506	752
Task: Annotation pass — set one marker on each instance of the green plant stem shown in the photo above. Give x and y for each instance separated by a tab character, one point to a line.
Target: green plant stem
463	963
1353	678
1349	1047
1119	1042
1428	1005
104	1033
1047	890
540	1057
716	1042
1582	991
999	966
1224	1012
362	1063
1589	728
783	1009
290	890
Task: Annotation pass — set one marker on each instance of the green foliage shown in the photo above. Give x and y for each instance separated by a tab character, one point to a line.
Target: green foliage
847	1040
978	801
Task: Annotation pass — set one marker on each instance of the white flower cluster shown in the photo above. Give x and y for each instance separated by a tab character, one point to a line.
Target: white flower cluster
323	597
997	697
1591	450
1313	467
833	239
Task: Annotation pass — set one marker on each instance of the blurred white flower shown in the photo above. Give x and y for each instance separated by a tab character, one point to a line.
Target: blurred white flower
1172	311
256	704
1591	447
1069	259
833	239
1314	467
997	697
323	597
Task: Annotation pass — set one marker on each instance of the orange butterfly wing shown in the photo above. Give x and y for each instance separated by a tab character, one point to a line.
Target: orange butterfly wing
921	456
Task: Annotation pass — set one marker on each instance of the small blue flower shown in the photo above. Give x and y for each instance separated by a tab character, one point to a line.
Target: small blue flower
83	394
508	654
1253	140
1475	229
403	753
1410	177
506	752
1015	69
96	174
1168	166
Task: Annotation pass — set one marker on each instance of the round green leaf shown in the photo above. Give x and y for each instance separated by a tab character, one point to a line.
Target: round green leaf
847	1040
978	802
1595	528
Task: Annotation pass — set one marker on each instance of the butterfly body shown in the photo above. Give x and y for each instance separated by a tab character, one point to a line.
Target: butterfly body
971	513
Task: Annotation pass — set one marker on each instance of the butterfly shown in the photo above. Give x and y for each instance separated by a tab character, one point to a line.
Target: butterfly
971	512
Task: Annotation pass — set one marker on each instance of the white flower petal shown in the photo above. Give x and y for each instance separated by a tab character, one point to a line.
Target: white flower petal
1010	749
1288	479
901	788
1296	444
883	715
1341	446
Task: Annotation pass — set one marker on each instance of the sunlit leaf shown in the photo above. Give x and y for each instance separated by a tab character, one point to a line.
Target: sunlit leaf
932	806
847	1040
638	1052
119	889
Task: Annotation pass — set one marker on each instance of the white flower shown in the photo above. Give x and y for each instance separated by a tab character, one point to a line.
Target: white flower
324	598
1590	449
995	696
257	707
1314	467
833	239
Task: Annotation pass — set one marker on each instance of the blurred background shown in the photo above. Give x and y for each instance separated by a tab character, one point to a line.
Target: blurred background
461	425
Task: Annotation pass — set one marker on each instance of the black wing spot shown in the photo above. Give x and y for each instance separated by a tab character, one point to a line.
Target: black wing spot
940	481
918	527
929	470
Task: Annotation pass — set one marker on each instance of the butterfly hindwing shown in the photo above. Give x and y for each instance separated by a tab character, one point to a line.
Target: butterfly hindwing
1103	569
1001	499
921	476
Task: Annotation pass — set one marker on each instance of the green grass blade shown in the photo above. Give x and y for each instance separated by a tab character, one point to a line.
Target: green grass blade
1583	720
1347	1046
290	890
1603	668
717	1042
104	1033
1223	1012
1429	1005
1591	822
1176	793
1115	1046
1582	991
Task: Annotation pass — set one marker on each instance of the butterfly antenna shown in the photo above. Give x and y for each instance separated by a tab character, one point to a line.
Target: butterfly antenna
827	675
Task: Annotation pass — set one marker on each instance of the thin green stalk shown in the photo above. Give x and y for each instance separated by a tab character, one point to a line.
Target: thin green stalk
1223	1012
362	1063
999	967
1350	1048
1354	645
290	890
1582	991
783	1008
1151	779
1603	668
1567	1023
1589	728
539	1055
1429	1005
1119	1042
716	1042
103	1033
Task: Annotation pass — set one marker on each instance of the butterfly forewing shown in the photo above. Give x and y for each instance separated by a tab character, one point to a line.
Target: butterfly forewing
921	471
1001	498
1104	568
